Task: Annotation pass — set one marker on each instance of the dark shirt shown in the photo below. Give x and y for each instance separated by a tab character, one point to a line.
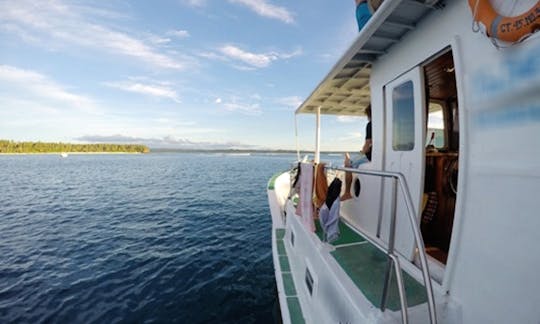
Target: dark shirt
368	137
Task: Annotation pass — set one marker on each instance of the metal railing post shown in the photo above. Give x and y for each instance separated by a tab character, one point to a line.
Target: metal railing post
421	248
391	240
393	259
401	290
387	273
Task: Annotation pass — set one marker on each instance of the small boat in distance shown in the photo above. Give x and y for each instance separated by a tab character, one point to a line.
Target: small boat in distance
64	155
441	225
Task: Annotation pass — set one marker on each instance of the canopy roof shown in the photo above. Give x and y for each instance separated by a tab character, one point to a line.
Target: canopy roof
345	90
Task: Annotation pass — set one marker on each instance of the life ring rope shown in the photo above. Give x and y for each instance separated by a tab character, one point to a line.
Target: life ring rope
475	23
508	29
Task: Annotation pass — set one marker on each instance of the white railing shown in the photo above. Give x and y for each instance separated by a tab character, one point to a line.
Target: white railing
393	260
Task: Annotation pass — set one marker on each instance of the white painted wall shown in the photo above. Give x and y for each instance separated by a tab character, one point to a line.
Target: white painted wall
493	265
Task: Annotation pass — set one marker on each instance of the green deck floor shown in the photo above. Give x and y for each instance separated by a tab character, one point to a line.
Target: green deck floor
362	262
295	310
366	265
293	304
280	233
288	283
346	236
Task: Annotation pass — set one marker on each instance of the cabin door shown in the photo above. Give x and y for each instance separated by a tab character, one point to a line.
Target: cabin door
404	153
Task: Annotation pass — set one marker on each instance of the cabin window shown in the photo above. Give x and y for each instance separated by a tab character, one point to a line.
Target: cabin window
403	121
309	281
435	127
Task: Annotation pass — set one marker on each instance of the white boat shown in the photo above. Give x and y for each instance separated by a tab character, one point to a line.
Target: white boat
64	155
439	235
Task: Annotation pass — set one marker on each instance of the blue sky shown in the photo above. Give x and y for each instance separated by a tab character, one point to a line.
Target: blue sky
177	73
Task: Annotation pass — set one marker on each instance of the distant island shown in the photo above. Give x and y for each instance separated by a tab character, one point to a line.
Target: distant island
13	147
7	146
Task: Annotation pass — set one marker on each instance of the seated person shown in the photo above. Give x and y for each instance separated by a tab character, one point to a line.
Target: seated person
362	13
363	157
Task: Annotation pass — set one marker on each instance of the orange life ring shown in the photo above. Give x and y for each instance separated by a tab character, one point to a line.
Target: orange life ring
508	29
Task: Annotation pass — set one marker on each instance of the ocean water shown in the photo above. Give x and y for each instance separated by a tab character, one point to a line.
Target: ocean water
149	238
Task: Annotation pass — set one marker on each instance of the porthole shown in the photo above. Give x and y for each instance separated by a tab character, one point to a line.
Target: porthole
292	238
357	187
309	281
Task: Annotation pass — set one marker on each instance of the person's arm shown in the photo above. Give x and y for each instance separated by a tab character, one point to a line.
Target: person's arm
367	146
367	142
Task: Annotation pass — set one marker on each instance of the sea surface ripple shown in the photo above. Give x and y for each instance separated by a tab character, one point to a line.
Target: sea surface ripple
136	238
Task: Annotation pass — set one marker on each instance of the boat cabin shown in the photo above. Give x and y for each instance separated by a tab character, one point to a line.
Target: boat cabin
450	195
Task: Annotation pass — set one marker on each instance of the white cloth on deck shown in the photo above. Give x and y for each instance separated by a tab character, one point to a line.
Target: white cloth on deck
329	219
305	205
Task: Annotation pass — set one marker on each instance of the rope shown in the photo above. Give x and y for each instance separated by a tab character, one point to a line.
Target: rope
475	23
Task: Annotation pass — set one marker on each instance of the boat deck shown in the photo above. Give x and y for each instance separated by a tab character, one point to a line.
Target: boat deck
295	311
365	264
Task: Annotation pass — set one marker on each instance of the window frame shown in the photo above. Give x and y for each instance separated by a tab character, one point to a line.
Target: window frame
395	121
444	119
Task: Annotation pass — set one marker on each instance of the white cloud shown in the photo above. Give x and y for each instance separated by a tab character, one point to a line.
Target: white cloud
244	67
169	141
159	40
296	52
254	60
257	60
265	9
351	136
292	101
17	109
212	56
161	90
31	83
174	122
166	125
261	7
348	119
179	33
35	107
195	3
59	24
249	107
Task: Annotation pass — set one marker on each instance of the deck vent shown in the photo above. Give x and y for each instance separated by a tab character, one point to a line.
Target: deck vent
309	282
292	238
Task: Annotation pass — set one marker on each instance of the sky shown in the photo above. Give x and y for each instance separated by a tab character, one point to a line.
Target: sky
172	73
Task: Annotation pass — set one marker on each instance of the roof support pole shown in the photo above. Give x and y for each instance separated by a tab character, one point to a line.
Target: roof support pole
318	137
296	137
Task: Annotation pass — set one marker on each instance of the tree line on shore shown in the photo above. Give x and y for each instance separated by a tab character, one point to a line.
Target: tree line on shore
7	146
